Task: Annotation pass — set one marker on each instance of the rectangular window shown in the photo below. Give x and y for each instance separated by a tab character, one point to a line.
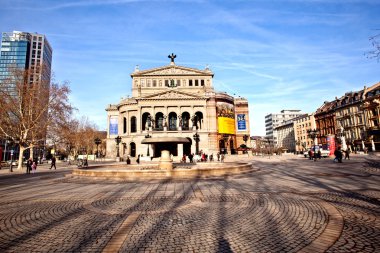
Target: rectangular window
167	83
190	82
178	82
154	83
196	83
148	83
202	82
142	82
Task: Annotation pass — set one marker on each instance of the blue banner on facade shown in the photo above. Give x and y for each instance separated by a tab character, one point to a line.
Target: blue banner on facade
113	126
241	122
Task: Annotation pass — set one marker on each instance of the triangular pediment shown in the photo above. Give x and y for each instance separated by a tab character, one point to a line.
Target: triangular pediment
172	94
171	70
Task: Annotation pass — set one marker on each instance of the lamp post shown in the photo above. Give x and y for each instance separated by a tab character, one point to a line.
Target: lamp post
147	151
298	142
97	142
342	137
313	133
118	140
245	139
196	139
269	147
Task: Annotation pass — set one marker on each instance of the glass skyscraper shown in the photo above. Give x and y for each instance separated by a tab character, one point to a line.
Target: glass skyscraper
24	51
29	51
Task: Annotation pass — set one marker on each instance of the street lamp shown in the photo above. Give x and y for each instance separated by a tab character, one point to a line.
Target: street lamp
97	142
148	136
313	133
196	139
118	140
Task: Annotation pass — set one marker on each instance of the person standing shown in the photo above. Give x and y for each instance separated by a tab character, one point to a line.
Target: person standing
222	158
191	156
53	163
138	159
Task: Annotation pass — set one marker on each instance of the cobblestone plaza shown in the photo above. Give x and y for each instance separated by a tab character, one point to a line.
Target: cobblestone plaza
289	204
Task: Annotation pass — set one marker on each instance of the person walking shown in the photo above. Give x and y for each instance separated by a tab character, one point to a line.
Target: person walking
347	154
34	167
53	160
222	158
29	163
218	156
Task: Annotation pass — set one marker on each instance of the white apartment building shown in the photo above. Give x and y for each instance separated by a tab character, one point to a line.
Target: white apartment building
274	120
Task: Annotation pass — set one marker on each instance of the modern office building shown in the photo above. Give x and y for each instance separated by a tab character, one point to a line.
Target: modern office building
274	120
25	51
29	51
175	108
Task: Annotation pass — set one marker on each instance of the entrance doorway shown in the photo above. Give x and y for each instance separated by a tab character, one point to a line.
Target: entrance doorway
172	147
133	149
187	147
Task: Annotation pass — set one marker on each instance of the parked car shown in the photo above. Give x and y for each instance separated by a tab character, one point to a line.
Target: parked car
324	153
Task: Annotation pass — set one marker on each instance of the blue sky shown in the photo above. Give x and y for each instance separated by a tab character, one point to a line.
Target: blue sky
284	54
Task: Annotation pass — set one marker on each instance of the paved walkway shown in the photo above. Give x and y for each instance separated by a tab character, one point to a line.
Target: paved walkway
291	204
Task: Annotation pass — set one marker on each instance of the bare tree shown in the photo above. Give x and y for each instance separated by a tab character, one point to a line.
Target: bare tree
75	134
28	107
375	53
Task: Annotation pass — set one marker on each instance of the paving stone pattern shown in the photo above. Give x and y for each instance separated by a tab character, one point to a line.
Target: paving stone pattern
288	205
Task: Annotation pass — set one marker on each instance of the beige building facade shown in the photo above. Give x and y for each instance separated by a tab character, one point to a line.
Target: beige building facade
177	109
302	124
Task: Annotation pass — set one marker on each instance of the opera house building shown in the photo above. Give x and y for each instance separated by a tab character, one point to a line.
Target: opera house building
176	108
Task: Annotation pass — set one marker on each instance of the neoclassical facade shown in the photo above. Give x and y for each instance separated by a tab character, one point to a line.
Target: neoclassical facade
176	108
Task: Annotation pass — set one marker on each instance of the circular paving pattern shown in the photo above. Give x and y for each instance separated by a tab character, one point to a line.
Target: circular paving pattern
361	212
239	223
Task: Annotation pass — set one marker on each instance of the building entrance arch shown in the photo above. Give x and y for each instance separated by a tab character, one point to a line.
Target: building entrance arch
132	148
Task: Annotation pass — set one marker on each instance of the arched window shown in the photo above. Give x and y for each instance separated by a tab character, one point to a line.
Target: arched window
124	125
198	120
133	124
159	121
172	121
146	121
185	120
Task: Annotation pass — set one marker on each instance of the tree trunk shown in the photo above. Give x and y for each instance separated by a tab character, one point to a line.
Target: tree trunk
20	158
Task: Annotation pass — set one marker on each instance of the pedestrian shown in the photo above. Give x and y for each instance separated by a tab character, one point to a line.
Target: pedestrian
128	160
222	158
34	167
184	158
191	156
319	154
218	156
338	155
138	159
53	163
347	154
29	163
211	157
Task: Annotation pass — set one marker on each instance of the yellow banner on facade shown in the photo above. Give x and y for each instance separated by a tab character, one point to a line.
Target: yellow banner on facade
226	125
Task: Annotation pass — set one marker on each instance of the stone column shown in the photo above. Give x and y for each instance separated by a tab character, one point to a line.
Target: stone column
180	150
